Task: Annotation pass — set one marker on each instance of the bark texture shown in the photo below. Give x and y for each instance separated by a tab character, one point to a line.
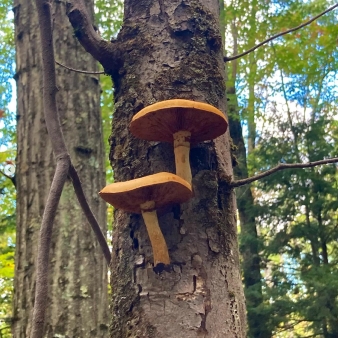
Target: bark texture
78	277
173	49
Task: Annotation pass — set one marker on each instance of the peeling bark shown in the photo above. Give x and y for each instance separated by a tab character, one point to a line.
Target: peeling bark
174	50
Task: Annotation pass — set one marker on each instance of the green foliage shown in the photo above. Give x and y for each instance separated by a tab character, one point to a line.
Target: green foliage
7	245
303	215
7	127
107	110
108	16
7	155
287	93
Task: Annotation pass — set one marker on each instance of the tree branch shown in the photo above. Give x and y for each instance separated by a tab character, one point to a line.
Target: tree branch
102	50
230	58
89	214
41	290
281	166
77	70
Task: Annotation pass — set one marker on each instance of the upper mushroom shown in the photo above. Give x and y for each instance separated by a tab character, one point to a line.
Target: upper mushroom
145	195
180	122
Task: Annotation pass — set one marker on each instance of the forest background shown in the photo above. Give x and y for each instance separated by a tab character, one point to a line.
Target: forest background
282	109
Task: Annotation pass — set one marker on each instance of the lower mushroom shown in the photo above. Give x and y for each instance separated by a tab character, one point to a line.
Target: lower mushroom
145	195
160	249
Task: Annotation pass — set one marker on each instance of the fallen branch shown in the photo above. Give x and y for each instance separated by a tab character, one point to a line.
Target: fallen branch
63	168
281	166
77	70
231	58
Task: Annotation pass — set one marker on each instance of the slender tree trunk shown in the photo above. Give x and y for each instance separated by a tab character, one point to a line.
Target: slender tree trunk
174	50
249	246
78	278
252	79
322	237
313	238
249	242
330	303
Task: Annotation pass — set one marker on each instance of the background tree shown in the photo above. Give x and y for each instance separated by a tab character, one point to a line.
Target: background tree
244	27
78	279
305	129
294	76
245	203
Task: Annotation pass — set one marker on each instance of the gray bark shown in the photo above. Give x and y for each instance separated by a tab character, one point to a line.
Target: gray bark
174	50
78	279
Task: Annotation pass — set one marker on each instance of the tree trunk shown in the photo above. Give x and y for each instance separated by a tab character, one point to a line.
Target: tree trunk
249	248
252	79
174	50
78	274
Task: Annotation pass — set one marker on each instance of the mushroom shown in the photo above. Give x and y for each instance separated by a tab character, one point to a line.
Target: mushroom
181	122
145	195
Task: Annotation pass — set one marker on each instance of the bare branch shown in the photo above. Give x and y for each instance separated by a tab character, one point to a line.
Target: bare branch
89	214
102	50
226	59
77	70
282	166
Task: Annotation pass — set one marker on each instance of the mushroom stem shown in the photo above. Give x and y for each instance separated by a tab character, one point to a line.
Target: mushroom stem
160	249
182	150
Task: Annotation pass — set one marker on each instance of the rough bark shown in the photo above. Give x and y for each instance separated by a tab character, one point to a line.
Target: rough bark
173	49
78	282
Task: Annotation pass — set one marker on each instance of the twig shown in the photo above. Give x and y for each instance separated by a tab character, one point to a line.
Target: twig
230	58
89	214
77	70
12	178
282	166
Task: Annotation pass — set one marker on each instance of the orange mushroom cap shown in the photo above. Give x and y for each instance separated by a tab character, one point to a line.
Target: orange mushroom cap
159	121
162	188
